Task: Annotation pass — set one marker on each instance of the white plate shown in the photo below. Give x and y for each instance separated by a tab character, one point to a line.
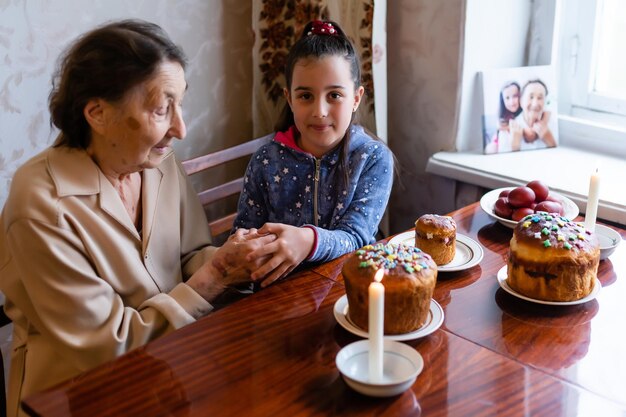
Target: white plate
467	254
433	321
570	209
502	276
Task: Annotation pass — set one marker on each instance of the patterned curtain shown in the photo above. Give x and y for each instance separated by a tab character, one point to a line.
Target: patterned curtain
278	23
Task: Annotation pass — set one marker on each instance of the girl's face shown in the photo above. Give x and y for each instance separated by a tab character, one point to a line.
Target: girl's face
139	130
322	99
510	96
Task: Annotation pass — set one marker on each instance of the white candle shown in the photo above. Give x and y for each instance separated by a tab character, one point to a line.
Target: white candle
592	201
376	324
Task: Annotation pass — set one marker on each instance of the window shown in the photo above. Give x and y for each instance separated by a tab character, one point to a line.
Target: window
593	61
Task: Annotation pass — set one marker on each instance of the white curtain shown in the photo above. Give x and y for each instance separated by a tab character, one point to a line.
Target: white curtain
541	33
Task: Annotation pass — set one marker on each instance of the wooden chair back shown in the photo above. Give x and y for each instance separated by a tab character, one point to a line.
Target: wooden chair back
213	194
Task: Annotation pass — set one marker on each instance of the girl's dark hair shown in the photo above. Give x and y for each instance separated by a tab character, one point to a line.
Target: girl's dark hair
506	114
105	63
313	44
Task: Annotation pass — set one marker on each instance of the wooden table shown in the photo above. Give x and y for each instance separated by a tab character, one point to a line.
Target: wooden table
273	353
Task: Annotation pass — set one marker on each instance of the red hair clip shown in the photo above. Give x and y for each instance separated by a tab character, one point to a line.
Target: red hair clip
319	27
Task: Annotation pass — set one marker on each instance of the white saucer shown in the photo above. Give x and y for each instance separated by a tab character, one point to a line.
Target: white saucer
401	366
502	276
468	252
433	321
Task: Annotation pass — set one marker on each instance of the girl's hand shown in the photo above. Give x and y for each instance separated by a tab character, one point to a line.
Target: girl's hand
287	251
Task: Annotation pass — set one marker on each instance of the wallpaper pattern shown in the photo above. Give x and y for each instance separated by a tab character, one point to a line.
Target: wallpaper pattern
217	106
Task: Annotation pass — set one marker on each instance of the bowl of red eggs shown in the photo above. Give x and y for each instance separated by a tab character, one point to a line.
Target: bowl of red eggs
509	205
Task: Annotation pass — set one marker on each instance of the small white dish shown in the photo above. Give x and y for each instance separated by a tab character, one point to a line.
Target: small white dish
401	366
468	252
609	240
502	276
487	201
433	321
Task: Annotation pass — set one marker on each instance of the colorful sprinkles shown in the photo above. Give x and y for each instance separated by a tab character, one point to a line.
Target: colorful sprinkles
391	256
553	230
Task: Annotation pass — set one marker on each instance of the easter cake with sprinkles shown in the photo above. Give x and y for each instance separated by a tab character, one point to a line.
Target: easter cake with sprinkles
409	278
436	235
552	258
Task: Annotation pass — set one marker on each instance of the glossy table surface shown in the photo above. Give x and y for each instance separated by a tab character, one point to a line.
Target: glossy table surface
273	353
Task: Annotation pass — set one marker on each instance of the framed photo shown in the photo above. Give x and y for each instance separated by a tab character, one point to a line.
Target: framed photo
519	109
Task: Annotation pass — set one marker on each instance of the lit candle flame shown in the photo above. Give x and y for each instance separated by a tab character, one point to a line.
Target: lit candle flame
379	275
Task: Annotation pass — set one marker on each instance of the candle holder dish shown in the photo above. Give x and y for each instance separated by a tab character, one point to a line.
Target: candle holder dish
609	240
401	366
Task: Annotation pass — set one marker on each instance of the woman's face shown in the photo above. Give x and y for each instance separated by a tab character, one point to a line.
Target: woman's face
140	129
322	98
533	101
510	96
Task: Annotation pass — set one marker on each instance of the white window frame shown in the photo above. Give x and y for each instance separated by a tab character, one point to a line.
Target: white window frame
585	143
577	100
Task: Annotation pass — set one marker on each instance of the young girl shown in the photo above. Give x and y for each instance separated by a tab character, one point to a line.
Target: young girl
322	185
509	109
509	103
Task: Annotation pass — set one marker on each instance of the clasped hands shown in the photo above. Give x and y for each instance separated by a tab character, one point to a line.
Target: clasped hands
264	254
538	128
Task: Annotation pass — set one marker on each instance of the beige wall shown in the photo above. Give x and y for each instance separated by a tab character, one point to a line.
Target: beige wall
214	34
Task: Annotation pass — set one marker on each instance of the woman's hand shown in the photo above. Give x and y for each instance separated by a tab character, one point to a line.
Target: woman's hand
530	135
280	257
531	117
541	126
230	265
541	129
232	258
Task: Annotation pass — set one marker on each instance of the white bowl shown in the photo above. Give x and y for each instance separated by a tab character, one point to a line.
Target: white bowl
401	366
609	240
488	201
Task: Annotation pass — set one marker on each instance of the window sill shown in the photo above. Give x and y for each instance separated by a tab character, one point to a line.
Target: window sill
566	170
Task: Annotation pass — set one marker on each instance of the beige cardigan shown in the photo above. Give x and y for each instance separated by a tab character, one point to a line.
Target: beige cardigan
82	286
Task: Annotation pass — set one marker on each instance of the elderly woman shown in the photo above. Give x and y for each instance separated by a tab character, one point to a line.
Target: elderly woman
532	129
104	245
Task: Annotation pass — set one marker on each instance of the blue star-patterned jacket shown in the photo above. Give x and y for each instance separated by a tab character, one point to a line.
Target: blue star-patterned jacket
280	187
